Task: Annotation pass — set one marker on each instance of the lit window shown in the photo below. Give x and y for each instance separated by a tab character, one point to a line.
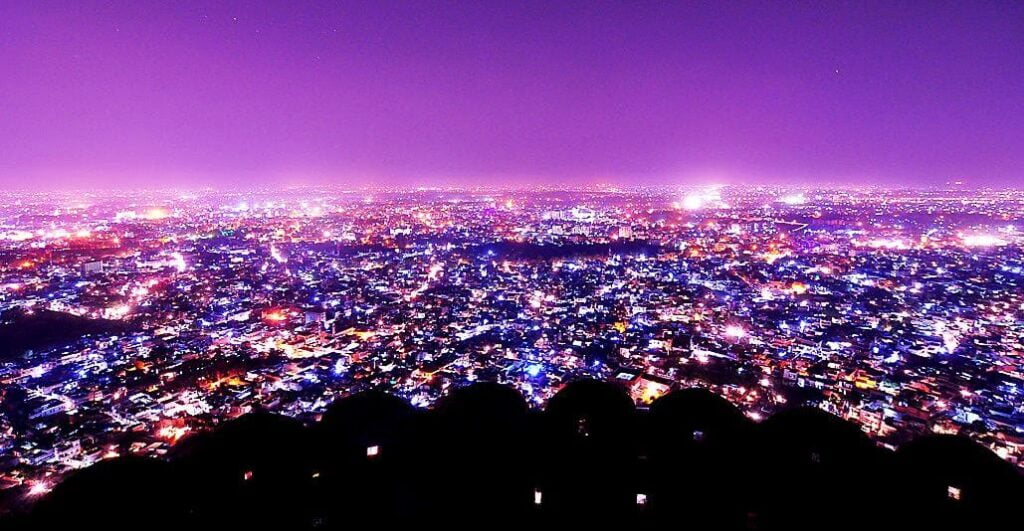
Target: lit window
641	499
247	475
538	496
372	451
953	492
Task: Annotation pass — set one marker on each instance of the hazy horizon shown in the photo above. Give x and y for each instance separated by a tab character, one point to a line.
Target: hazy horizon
515	187
409	94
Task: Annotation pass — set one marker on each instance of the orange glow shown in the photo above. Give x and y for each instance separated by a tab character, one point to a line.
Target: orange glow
156	213
275	316
173	433
651	392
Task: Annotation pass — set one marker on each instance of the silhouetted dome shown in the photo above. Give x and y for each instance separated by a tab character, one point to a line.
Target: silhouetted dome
249	439
116	493
947	479
695	415
589	471
366	418
953	457
813	436
367	444
812	465
257	468
590	408
481	456
483	402
697	460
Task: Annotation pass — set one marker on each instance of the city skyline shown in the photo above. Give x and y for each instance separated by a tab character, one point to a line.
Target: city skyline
419	94
733	264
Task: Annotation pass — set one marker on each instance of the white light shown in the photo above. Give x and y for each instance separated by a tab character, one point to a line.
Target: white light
794	199
641	499
372	451
735	331
116	312
983	240
693	202
435	270
277	255
178	261
887	243
39	488
538	496
17	236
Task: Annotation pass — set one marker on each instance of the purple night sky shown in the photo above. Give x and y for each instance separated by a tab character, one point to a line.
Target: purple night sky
228	93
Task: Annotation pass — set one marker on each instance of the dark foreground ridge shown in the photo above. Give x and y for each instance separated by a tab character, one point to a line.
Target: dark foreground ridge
482	459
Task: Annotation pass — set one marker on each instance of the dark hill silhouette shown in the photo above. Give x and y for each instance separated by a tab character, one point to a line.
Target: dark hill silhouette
482	458
812	466
40	329
589	463
479	457
950	481
366	444
118	493
256	469
696	463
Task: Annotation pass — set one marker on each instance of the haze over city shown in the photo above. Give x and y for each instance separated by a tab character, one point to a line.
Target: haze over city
232	94
640	264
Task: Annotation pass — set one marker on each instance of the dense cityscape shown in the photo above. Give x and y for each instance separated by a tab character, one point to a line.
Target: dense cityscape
131	320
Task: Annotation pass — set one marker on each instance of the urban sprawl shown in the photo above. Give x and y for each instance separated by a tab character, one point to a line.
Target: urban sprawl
131	320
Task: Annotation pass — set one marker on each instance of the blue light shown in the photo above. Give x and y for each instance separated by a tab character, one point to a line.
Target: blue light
533	370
